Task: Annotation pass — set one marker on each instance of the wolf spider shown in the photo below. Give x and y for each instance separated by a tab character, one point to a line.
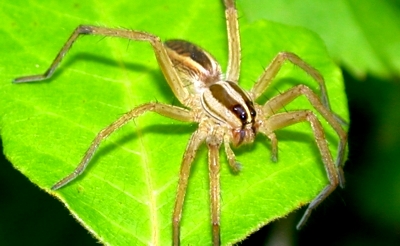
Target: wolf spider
225	113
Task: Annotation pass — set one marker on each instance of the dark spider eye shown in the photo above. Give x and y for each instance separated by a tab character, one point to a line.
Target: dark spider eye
252	112
240	112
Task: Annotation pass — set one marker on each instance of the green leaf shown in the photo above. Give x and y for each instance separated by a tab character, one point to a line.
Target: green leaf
126	195
361	35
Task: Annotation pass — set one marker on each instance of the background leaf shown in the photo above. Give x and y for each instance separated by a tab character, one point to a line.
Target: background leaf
362	36
126	196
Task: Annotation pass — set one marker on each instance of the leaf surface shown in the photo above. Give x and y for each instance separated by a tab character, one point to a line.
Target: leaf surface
126	195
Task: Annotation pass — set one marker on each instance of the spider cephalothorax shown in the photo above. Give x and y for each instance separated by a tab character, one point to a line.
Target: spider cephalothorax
224	101
226	114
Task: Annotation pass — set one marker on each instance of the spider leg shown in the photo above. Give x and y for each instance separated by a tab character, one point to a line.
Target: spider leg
195	140
165	63
235	166
286	97
162	109
233	70
274	144
282	120
273	68
213	161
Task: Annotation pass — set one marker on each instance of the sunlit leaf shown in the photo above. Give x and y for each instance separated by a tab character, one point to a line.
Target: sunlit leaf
126	195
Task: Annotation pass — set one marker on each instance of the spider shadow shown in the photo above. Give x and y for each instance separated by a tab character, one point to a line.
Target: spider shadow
125	139
286	136
187	129
156	74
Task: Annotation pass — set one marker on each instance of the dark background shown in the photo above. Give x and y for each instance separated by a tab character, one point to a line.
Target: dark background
366	212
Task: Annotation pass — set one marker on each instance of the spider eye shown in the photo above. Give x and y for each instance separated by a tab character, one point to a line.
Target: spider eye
240	112
252	112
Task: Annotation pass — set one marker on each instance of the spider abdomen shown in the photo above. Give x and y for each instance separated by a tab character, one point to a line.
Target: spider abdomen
193	64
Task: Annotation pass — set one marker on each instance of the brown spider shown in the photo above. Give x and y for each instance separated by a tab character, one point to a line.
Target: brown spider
225	113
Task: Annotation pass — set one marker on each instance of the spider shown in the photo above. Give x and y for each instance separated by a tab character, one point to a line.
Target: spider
225	113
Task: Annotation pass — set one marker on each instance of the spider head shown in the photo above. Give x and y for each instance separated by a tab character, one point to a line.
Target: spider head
232	107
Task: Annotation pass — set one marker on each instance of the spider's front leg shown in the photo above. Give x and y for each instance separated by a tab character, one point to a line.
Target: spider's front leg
321	104
164	61
162	109
273	68
213	144
232	25
281	100
190	153
282	120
